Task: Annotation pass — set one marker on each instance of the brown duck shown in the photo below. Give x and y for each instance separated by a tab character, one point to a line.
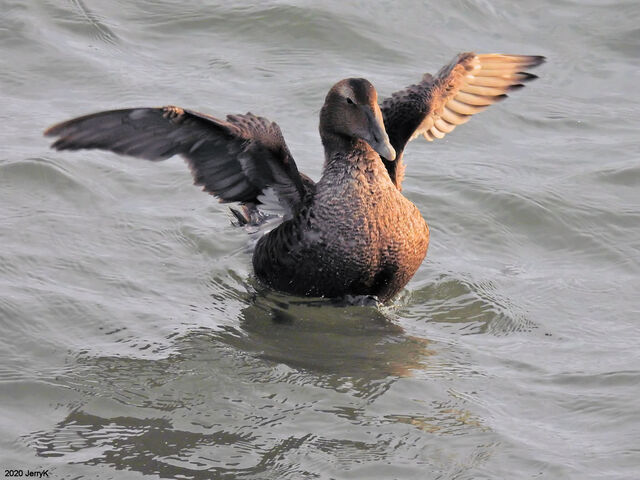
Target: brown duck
352	232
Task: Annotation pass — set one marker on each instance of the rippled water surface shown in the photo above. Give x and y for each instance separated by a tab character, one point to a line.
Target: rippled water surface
135	342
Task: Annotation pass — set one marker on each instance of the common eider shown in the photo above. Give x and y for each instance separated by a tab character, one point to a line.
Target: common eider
352	232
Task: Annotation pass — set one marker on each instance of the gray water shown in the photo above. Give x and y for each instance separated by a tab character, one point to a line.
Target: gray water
135	342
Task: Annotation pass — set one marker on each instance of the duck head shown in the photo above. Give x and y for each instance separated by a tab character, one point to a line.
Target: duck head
351	112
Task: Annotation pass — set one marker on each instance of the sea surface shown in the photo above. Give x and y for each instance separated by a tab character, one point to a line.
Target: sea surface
135	342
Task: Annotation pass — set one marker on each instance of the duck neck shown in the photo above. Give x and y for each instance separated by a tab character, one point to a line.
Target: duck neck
342	149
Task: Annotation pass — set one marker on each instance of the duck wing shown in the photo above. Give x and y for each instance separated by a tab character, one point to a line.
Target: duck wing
437	105
235	159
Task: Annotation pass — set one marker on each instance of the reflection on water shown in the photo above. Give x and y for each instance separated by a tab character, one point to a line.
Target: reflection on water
242	400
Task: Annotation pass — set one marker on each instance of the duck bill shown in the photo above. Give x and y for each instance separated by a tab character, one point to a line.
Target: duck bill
377	135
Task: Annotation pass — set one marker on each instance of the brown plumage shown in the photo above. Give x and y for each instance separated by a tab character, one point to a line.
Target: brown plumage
436	105
353	232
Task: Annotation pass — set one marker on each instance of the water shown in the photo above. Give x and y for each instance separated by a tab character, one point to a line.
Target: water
134	341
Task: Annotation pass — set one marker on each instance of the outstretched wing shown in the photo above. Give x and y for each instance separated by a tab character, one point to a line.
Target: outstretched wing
436	105
235	160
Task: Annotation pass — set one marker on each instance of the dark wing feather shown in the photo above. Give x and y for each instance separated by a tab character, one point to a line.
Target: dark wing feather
235	160
436	105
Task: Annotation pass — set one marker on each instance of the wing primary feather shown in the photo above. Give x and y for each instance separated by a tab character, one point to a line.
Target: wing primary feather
463	108
486	91
477	100
454	117
436	133
444	126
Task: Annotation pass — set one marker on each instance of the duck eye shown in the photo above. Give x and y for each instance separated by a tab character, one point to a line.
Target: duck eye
349	101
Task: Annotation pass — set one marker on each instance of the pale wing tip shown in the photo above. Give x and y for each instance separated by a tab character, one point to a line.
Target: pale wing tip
527	61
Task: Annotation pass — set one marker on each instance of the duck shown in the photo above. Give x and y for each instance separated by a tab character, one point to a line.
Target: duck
351	233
